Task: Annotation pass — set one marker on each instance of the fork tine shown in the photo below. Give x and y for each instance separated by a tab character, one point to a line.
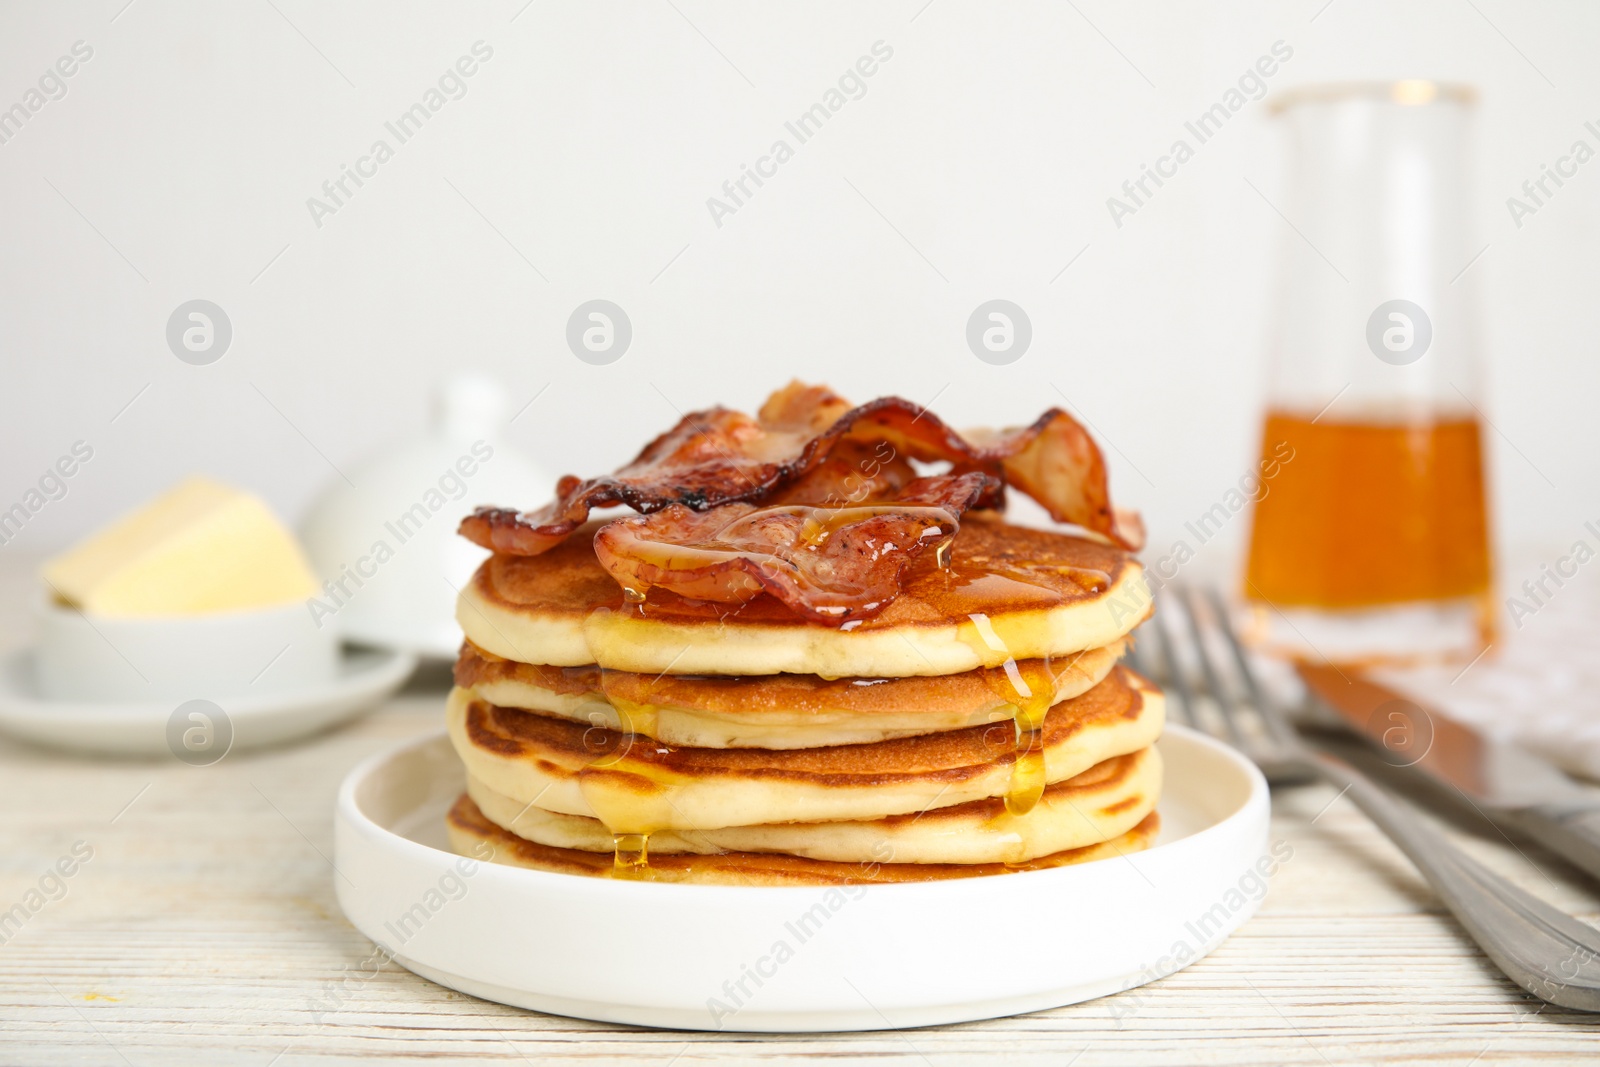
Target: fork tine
1270	714
1227	706
1175	679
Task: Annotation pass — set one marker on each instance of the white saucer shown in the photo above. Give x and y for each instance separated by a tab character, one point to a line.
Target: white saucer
365	677
868	958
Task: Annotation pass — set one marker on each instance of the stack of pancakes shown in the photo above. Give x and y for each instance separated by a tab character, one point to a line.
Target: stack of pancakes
979	724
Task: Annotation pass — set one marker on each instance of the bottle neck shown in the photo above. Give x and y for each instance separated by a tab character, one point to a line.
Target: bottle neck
1375	301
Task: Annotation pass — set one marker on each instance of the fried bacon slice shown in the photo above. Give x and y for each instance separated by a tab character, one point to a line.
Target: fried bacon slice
829	563
710	457
854	472
718	457
1053	460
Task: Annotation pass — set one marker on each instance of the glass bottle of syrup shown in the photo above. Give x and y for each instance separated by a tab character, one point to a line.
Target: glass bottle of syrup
1371	543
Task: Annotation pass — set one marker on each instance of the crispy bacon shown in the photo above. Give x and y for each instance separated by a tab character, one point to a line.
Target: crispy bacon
1054	460
709	458
717	457
828	563
855	471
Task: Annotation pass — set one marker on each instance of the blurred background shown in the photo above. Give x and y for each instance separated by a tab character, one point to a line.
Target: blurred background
186	156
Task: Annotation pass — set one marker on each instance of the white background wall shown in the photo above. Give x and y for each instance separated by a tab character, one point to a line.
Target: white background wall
183	154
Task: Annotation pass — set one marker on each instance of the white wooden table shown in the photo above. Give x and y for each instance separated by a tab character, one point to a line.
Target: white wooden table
204	929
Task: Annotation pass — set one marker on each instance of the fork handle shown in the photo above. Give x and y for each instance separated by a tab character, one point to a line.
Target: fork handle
1571	831
1545	951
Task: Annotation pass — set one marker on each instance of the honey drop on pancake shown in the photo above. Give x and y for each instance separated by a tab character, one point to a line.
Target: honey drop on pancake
629	822
631	855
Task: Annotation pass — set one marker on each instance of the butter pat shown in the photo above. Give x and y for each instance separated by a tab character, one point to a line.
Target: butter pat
200	547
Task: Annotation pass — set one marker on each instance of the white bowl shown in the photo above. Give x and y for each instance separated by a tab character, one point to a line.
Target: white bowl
872	958
259	652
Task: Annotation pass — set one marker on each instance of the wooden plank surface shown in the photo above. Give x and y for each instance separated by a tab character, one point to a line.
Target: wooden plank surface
204	930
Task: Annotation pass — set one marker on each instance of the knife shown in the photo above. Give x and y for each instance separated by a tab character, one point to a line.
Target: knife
1506	782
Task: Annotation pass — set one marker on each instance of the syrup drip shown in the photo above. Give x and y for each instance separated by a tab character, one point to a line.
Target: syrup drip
631	855
1029	692
627	813
630	820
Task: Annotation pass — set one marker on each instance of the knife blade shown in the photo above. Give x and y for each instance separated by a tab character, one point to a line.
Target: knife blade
1502	779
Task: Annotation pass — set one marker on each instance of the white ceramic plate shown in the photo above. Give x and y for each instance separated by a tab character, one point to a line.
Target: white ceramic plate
798	959
365	677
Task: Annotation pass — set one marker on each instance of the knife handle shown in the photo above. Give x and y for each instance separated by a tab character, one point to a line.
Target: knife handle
1571	831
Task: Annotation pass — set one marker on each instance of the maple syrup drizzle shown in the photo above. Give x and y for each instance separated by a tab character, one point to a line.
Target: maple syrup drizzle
630	822
630	855
1029	691
625	813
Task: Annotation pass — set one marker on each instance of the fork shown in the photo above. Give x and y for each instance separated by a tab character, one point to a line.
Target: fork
1547	952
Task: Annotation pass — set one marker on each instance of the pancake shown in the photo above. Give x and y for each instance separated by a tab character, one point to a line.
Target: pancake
784	711
637	785
1008	593
471	834
1104	802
